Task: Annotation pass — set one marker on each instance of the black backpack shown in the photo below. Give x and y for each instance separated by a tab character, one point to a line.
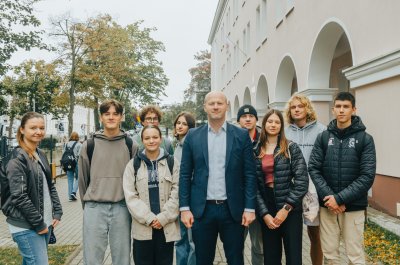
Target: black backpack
68	159
137	160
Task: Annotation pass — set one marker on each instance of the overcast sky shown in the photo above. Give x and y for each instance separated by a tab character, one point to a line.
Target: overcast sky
183	26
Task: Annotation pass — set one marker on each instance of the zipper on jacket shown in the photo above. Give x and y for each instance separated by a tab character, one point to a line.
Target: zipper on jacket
22	184
340	166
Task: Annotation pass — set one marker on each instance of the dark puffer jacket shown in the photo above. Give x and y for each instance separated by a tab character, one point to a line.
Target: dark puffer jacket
290	180
22	191
341	167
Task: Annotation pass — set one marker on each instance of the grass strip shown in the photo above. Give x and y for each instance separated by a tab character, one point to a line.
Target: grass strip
57	255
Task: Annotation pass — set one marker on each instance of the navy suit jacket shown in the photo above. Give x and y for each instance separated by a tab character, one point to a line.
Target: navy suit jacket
240	171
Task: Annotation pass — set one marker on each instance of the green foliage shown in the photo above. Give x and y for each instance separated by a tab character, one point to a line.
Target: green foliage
57	255
17	13
200	83
171	111
105	60
34	86
48	143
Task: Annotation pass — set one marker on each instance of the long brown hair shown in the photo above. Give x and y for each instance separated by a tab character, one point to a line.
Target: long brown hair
190	120
282	141
20	137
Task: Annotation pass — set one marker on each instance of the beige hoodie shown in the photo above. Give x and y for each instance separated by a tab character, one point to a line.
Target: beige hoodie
102	180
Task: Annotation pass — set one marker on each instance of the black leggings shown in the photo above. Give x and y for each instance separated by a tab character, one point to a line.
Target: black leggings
155	251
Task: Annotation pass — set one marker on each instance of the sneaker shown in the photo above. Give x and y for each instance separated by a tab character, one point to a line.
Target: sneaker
70	199
73	196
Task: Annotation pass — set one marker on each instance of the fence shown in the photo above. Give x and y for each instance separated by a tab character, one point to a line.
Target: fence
50	146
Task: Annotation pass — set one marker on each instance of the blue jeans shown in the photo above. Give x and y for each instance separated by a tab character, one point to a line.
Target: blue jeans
105	223
185	251
72	181
32	247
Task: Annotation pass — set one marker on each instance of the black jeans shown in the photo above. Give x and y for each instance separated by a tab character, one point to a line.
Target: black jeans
290	231
155	251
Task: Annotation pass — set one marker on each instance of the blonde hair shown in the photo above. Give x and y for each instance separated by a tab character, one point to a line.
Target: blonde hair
20	137
311	114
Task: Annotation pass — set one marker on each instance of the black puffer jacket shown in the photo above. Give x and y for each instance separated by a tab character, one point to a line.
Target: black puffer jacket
22	191
290	180
337	168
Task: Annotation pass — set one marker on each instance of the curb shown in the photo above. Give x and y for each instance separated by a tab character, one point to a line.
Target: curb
73	255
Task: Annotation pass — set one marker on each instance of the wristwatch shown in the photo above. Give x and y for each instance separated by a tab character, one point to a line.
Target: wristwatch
287	207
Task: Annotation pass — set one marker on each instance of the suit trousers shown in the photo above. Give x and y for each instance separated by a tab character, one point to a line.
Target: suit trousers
217	220
348	224
290	232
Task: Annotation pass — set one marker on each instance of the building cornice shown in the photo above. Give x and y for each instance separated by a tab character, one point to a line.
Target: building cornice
277	105
374	70
322	94
217	18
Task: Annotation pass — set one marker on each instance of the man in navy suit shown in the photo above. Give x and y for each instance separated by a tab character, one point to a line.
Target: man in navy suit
217	184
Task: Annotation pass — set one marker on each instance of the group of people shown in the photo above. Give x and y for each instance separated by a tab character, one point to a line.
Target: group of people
150	196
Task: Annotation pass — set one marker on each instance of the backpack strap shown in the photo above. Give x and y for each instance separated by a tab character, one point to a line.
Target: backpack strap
72	148
170	162
129	144
90	147
136	164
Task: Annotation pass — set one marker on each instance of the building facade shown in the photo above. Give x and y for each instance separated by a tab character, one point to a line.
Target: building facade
263	51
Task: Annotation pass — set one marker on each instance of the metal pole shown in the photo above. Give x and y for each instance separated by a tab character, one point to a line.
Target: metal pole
51	148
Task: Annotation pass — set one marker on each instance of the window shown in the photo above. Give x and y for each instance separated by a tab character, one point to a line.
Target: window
264	17
228	19
222	35
248	39
244	38
279	11
258	24
235	9
229	67
289	5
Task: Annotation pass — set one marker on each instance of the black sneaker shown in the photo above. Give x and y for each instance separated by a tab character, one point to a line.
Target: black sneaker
73	196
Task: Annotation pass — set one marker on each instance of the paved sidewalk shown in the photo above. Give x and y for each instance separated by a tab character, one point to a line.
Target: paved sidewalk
69	232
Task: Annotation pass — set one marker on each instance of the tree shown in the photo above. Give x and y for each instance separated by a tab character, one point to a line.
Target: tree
146	81
109	61
17	14
71	52
200	83
34	86
171	111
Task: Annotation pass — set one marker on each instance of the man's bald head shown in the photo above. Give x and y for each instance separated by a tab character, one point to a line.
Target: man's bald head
215	94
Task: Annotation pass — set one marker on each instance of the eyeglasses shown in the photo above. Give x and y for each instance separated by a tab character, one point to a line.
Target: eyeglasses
151	119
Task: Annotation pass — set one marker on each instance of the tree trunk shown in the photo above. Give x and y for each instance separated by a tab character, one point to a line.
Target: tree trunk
96	115
72	93
10	128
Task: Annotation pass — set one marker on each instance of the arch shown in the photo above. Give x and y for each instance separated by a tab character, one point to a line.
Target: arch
286	81
332	42
262	96
229	111
247	97
236	106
